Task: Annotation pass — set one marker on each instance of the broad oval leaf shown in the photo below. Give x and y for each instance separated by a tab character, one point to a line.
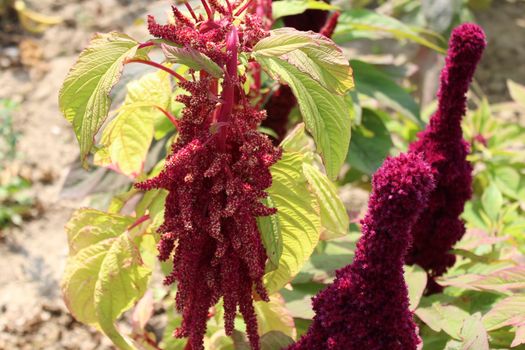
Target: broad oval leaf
416	280
128	136
192	59
327	115
298	214
311	53
84	96
334	218
104	274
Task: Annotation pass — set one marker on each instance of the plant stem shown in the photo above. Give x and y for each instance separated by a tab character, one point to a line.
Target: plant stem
159	66
138	222
207	8
188	6
243	8
170	116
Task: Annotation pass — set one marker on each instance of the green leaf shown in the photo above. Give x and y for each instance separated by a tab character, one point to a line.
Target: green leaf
275	340
447	318
273	316
370	21
517	92
192	58
295	7
312	54
373	82
128	136
326	115
84	96
270	229
502	280
473	334
508	181
492	201
334	218
370	143
104	274
416	280
298	214
508	312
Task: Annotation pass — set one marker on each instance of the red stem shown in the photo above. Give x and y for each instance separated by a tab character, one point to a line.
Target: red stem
170	116
159	66
207	8
243	8
146	44
139	221
228	85
188	6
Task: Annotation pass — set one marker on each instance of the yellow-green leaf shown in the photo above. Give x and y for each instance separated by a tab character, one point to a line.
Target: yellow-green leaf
311	53
84	96
327	115
104	274
273	316
127	137
334	218
295	7
298	214
270	230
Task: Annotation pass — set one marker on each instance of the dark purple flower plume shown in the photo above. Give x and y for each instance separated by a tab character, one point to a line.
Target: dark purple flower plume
367	305
443	147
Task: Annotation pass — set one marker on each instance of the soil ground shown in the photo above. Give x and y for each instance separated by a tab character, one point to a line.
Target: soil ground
32	68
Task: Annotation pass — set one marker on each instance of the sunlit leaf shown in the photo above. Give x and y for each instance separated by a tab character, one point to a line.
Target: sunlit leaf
105	274
273	316
334	218
326	115
84	96
298	214
312	54
508	312
492	201
192	58
416	280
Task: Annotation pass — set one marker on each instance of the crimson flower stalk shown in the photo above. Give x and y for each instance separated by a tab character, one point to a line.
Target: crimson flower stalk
366	307
443	147
216	175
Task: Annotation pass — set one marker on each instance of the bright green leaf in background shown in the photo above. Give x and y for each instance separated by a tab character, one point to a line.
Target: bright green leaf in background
273	316
492	201
295	7
373	82
128	136
105	274
84	96
416	280
517	92
370	143
362	20
271	235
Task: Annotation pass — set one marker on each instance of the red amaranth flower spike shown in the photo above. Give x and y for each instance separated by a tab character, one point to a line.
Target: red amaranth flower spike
444	148
366	307
216	176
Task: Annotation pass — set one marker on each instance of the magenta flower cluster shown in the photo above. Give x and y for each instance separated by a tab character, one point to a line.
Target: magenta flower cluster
443	147
366	307
216	176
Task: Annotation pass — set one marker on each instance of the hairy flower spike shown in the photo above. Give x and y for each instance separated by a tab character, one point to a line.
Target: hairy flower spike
216	176
366	307
444	148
